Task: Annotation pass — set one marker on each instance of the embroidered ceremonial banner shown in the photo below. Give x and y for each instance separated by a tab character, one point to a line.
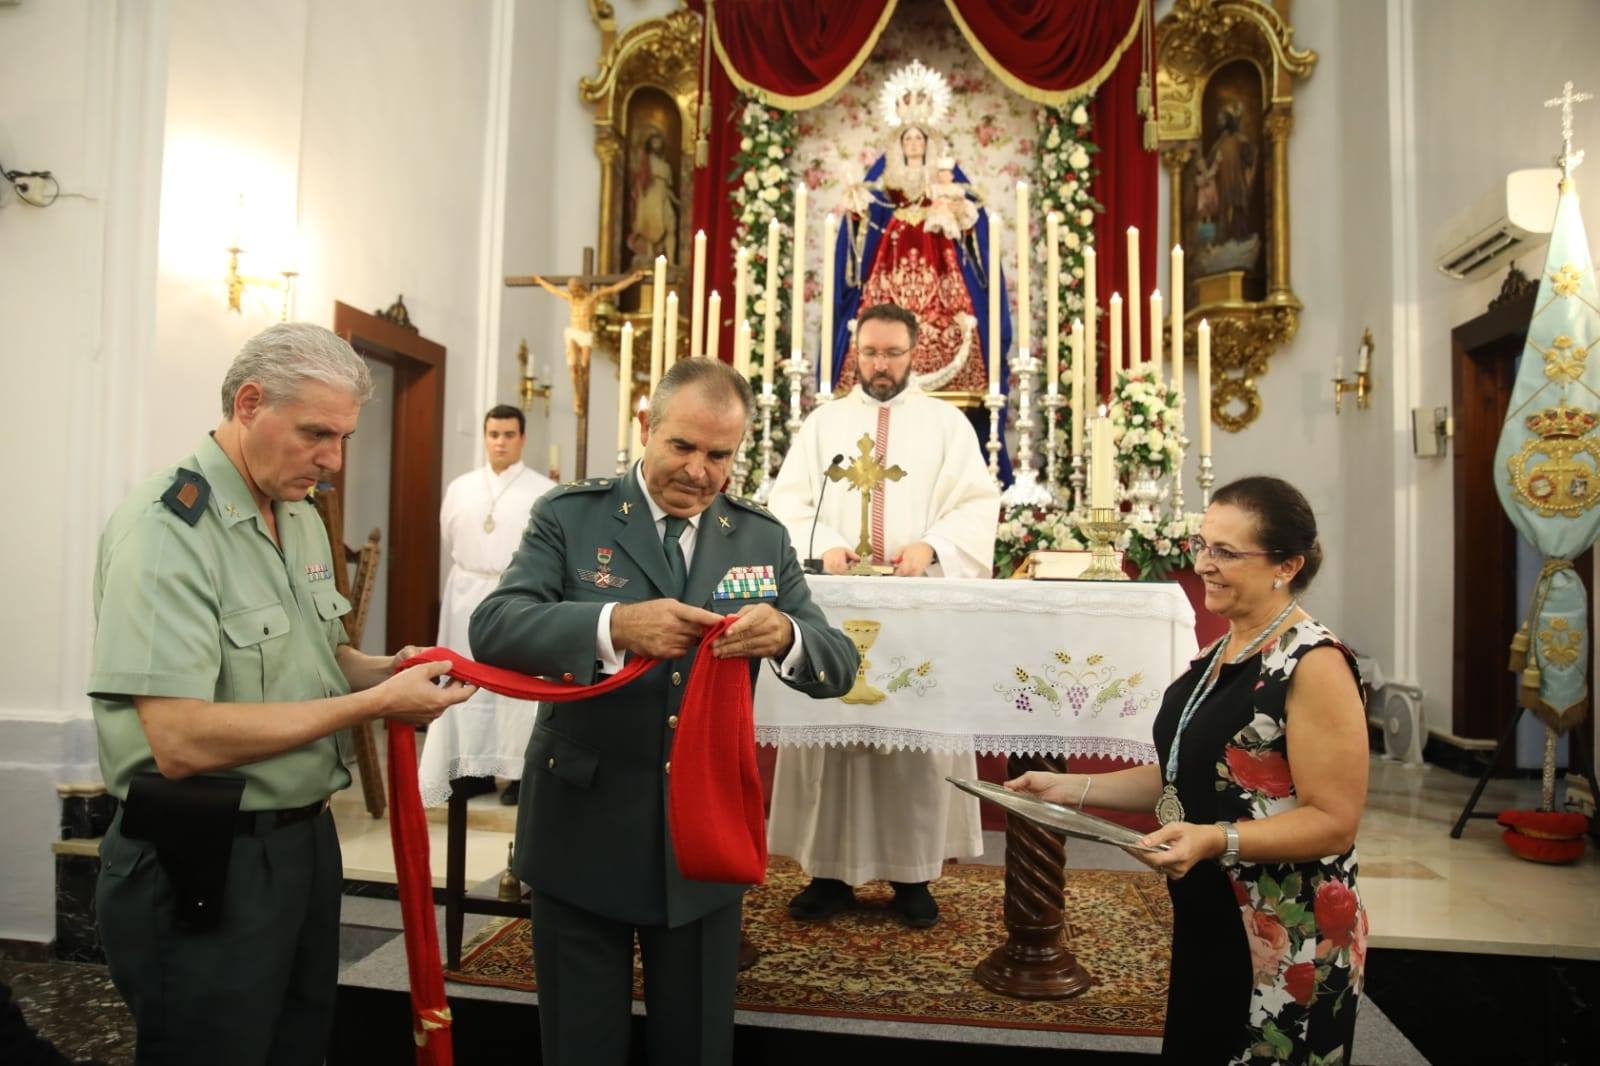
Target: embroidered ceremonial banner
1547	469
1072	667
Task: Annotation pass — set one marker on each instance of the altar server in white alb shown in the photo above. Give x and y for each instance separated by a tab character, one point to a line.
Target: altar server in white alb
849	815
481	523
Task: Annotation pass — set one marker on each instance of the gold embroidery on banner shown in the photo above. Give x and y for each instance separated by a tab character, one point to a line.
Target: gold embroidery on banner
1565	281
1564	482
1564	359
1559	643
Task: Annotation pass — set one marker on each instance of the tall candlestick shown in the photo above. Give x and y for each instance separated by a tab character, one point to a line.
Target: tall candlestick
1052	303
769	337
658	315
1114	366
669	354
1203	370
1024	254
741	286
830	226
1135	351
797	295
555	460
1176	286
1101	476
995	285
1077	386
697	317
1091	329
1155	335
714	321
624	387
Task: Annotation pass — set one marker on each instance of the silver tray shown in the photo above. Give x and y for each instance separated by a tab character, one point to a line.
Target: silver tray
1066	820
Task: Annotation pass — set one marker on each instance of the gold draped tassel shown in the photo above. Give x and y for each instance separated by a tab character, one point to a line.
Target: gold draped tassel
1142	98
1150	134
1519	649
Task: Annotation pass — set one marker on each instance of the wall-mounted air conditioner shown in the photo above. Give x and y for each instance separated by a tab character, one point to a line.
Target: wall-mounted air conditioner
1512	219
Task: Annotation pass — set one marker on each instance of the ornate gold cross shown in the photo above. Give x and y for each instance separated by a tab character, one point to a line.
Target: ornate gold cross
864	475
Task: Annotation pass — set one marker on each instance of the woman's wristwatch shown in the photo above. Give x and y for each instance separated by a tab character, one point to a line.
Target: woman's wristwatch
1230	846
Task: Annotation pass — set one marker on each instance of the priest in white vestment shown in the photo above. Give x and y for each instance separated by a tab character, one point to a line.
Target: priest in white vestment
849	815
480	524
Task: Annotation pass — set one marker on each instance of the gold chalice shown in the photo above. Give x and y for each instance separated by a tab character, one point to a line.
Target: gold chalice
862	633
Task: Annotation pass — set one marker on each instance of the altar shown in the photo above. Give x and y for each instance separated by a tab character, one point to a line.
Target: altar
1037	670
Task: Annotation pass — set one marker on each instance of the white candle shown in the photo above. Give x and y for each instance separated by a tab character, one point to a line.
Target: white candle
1091	328
638	438
658	316
995	286
741	286
1155	335
1077	386
1024	319
1052	303
713	324
1135	351
1203	369
830	227
797	296
769	339
1101	477
1176	285
555	460
697	317
741	348
1338	366
669	354
624	386
1115	366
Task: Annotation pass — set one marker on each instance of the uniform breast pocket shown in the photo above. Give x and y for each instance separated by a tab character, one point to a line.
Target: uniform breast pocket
331	607
254	651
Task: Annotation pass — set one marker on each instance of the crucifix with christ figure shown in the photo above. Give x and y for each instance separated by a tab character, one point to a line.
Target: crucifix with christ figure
583	292
864	475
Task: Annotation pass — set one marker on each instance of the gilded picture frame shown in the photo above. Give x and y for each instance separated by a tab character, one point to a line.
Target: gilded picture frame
1225	73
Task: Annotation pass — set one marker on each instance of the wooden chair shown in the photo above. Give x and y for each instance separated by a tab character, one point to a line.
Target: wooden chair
358	590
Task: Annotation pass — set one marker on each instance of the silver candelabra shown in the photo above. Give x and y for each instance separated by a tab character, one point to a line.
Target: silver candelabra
1025	489
1053	403
622	461
1205	477
796	372
766	401
995	403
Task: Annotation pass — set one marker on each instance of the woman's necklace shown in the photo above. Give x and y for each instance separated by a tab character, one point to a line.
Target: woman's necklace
494	497
1168	808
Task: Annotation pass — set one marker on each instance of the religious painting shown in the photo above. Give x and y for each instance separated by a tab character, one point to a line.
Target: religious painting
1225	73
1224	198
654	209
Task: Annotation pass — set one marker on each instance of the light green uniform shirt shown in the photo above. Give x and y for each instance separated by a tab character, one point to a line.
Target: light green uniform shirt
217	612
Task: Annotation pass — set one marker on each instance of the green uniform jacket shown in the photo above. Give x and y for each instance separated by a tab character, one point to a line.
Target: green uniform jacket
592	828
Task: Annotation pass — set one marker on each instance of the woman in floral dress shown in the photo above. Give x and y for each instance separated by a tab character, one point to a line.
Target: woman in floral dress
1261	781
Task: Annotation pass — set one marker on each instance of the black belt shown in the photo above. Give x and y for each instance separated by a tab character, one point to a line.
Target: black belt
259	823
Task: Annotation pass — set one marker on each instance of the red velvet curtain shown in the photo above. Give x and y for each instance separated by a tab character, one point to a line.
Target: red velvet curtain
796	53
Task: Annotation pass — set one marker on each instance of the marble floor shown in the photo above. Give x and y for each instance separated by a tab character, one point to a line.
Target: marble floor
1423	890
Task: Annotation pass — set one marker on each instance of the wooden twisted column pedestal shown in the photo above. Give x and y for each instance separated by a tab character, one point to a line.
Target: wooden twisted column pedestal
1035	961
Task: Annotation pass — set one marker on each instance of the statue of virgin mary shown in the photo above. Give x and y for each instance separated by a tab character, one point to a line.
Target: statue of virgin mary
914	233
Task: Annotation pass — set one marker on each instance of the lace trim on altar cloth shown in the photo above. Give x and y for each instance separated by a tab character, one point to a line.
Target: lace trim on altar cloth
838	736
436	793
1160	601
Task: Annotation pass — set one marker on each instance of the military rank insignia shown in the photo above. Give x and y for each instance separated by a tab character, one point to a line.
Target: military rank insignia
602	578
747	583
318	572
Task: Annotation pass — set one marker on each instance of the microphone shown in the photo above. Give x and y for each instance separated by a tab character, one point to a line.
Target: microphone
813	565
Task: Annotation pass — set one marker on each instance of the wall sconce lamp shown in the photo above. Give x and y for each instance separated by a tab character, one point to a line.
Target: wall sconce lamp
530	381
238	282
1362	385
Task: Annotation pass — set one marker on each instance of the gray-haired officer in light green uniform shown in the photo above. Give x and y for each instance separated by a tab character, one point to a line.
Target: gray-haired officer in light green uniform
221	677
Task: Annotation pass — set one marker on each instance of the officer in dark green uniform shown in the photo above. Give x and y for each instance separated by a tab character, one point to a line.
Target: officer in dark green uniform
641	564
220	680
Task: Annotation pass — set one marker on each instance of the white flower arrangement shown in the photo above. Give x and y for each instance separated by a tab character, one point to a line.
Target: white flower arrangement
1154	548
1145	424
763	181
1063	177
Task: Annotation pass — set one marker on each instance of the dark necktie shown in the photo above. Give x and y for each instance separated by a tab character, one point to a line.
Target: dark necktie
669	543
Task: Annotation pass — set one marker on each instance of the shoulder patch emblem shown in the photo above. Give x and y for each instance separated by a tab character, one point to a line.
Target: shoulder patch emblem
187	496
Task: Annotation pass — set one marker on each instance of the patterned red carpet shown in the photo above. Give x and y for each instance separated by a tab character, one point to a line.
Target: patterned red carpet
863	964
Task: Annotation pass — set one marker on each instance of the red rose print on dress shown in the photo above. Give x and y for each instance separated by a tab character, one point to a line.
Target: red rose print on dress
1337	909
1266	772
1301	982
1269	943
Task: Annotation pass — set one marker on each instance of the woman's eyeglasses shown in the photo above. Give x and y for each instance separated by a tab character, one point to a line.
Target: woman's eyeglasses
1198	548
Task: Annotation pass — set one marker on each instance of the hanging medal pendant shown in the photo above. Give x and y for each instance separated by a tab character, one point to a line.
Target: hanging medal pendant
1169	808
488	523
